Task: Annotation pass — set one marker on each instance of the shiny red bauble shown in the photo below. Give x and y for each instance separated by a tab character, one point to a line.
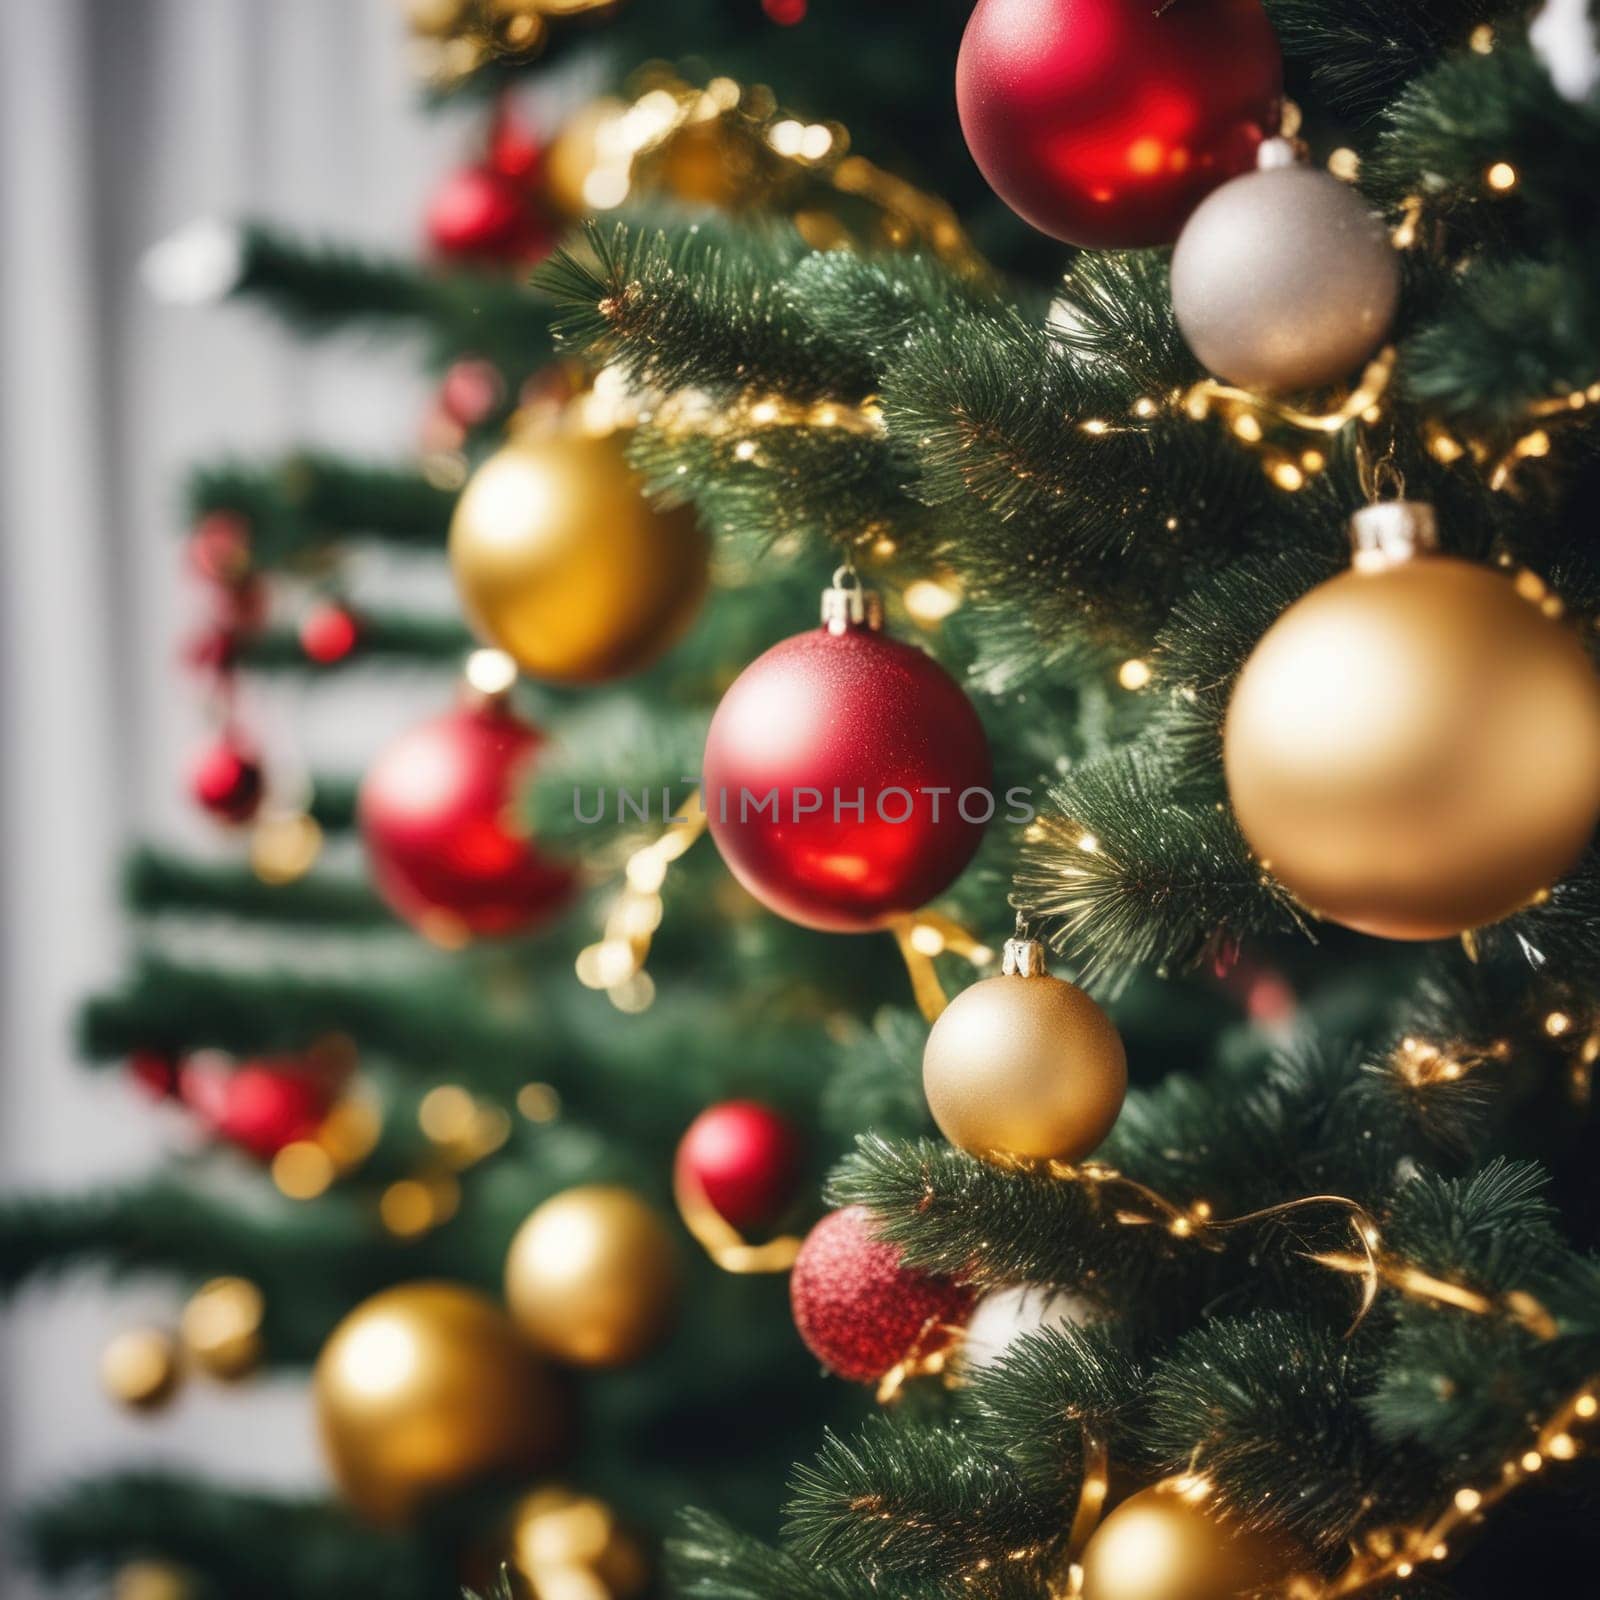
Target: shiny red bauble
259	1106
860	1312
1106	122
481	213
227	781
328	634
846	779
438	813
745	1159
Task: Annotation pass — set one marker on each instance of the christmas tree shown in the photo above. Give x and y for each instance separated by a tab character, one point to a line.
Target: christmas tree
1210	624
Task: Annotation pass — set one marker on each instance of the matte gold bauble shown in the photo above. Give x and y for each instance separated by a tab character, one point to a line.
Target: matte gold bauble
426	1386
1024	1065
1413	749
1169	1542
561	562
139	1369
592	1276
221	1328
558	1545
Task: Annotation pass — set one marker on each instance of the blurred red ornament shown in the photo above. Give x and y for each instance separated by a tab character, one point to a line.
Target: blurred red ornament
471	389
260	1106
786	13
1106	122
329	633
241	608
438	812
219	547
745	1159
860	1312
155	1072
514	149
478	213
227	780
213	649
846	776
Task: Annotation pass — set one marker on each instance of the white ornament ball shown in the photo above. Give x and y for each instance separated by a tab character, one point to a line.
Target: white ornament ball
1005	1315
1283	279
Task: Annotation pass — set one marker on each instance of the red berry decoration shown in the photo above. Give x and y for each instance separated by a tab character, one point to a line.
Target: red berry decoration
328	634
155	1072
860	1312
480	213
1106	122
745	1159
846	776
438	814
227	781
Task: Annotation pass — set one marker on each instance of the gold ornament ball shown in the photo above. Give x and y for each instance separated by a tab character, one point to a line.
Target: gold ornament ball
1413	749
1169	1542
592	1276
151	1580
221	1328
561	562
139	1369
426	1386
1025	1065
559	1545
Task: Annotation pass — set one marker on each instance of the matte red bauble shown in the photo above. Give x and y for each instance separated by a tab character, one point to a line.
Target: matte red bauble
479	212
438	814
846	776
227	781
860	1312
1106	122
329	633
745	1159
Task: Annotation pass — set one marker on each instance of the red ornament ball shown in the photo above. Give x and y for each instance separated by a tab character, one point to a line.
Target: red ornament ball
227	781
438	815
846	778
259	1106
219	547
470	391
481	213
745	1159
1106	122
328	634
858	1309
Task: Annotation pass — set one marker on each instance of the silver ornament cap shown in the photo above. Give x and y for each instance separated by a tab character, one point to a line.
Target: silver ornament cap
1284	280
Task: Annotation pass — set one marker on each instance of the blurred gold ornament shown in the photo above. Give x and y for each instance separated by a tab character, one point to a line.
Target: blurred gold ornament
435	19
1170	1542
1024	1065
221	1327
284	846
1413	749
425	1386
151	1580
558	1545
561	561
139	1368
592	1276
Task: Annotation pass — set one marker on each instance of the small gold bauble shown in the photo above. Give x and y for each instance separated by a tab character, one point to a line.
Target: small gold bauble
426	1386
151	1580
592	1276
221	1328
1413	749
1025	1065
558	1545
1168	1542
139	1368
562	563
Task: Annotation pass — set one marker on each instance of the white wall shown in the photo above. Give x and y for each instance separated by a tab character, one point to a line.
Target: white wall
119	121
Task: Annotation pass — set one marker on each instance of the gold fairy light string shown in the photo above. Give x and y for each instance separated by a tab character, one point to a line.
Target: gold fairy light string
616	963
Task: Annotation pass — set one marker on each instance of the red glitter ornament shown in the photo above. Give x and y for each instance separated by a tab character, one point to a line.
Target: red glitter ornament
438	814
860	1312
846	776
1106	122
481	213
329	633
227	781
745	1159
